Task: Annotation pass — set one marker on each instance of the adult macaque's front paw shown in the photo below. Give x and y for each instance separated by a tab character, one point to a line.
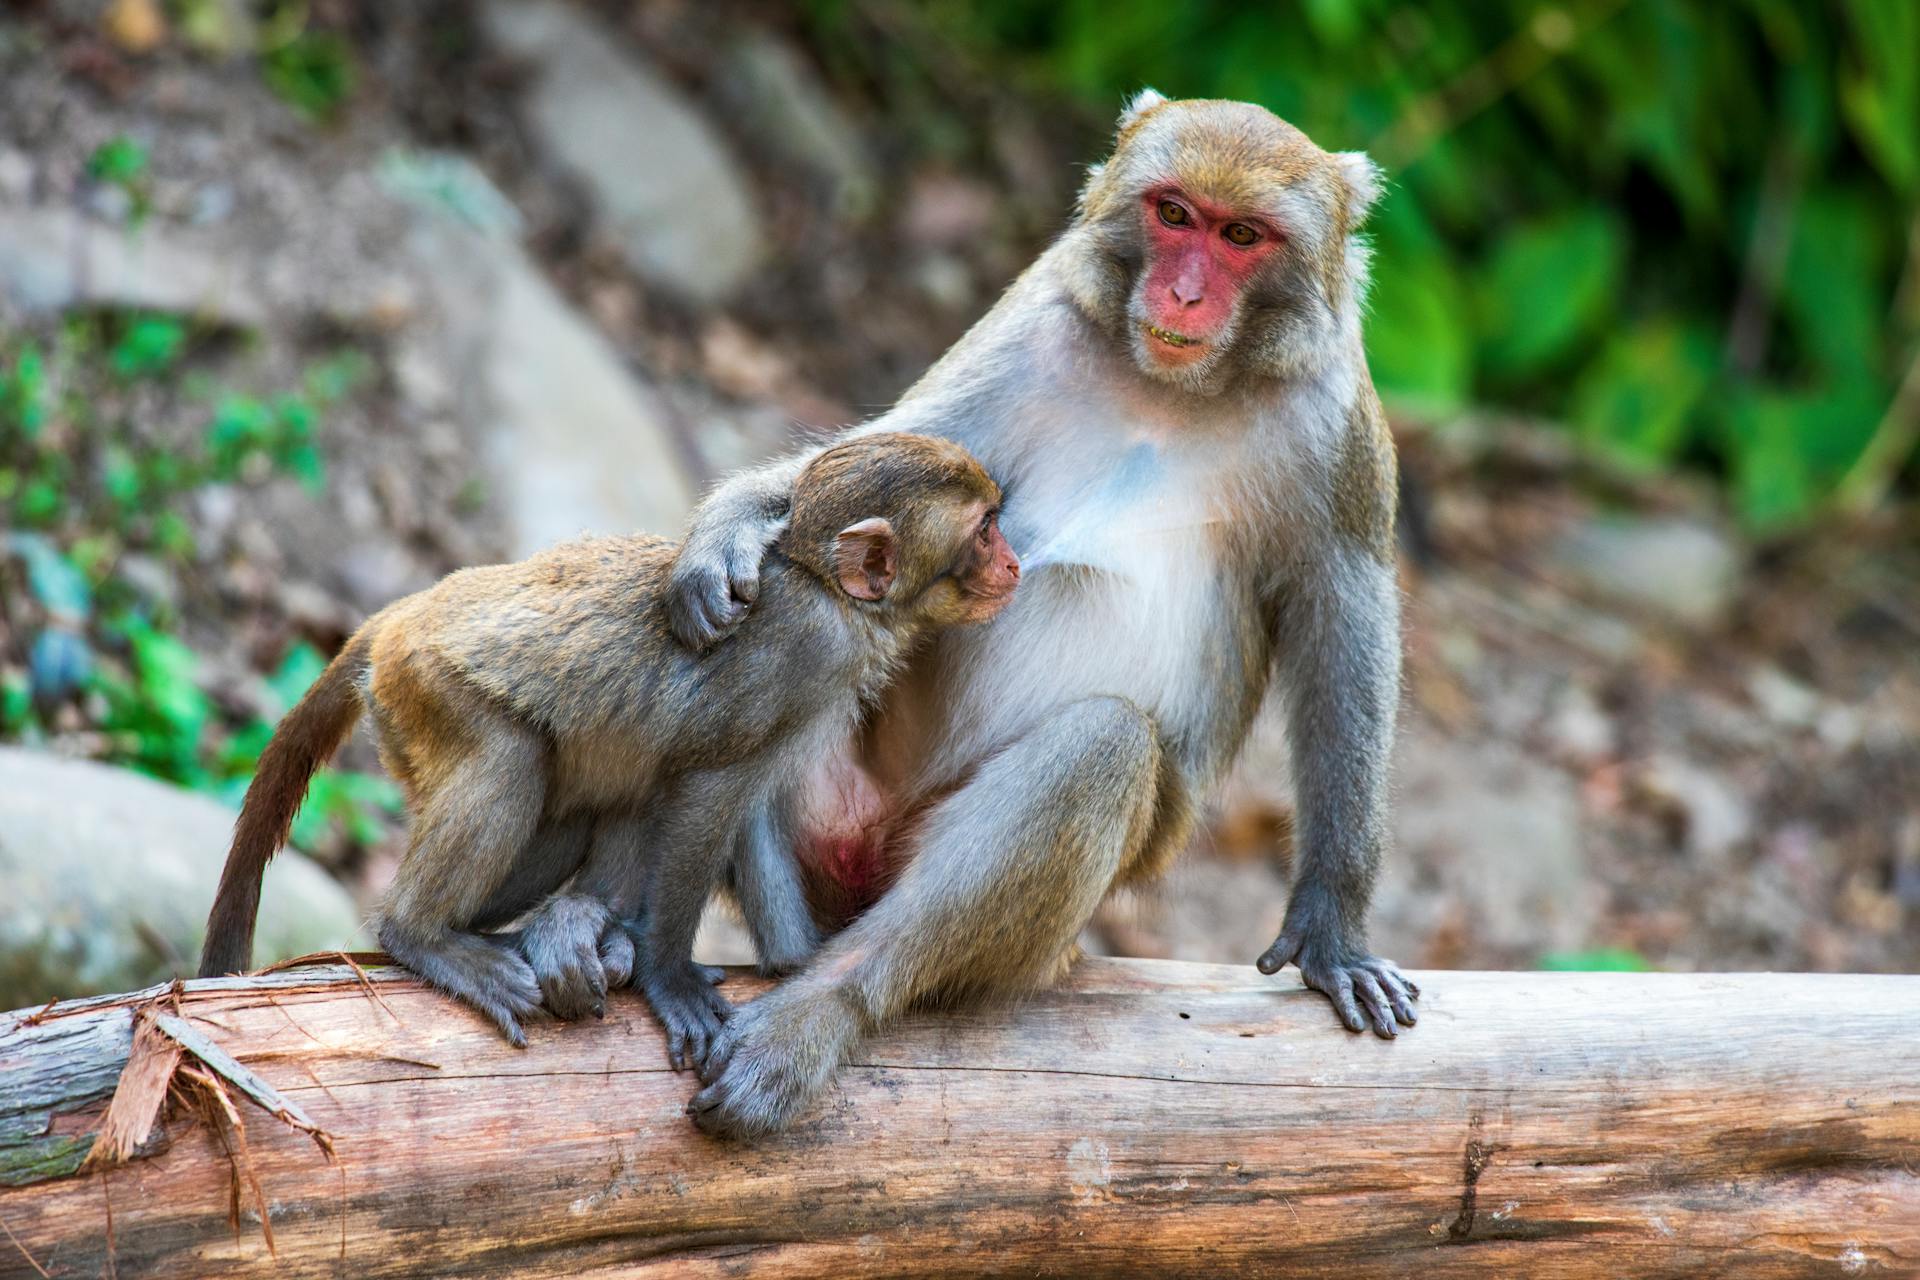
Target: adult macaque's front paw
772	1060
1365	990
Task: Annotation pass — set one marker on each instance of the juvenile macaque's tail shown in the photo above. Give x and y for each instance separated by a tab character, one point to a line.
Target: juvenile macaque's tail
301	743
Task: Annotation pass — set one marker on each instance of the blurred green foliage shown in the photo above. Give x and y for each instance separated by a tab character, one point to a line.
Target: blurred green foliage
1597	960
121	162
95	503
1687	229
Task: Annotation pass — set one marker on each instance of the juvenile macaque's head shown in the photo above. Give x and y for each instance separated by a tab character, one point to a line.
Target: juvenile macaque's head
906	523
1218	240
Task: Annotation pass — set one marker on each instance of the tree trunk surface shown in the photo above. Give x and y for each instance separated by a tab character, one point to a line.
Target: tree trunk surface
1143	1118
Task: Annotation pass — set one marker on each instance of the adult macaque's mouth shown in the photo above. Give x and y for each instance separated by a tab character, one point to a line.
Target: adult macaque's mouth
1171	338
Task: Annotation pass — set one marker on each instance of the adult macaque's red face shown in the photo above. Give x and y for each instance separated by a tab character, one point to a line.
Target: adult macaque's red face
1200	258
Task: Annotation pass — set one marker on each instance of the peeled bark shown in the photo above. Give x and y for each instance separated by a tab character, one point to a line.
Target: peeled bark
1142	1119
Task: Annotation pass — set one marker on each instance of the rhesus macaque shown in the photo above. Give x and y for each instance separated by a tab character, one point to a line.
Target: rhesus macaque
1201	484
540	714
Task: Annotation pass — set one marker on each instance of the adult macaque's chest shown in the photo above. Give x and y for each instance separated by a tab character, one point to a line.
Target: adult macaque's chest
1127	588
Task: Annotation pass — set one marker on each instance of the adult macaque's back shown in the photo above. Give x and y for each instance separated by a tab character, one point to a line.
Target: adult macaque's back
1200	482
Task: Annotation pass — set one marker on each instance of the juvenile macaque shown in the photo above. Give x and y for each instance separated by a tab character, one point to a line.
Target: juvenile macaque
1201	483
540	714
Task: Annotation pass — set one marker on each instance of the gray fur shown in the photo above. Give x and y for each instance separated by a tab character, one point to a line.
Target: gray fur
1186	536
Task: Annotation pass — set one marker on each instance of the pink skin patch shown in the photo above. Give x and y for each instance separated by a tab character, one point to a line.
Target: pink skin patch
1197	270
855	864
844	819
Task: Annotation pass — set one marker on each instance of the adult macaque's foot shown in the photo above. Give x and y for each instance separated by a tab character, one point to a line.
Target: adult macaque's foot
773	1059
1365	990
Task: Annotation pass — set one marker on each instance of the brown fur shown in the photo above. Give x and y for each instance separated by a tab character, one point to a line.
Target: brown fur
516	699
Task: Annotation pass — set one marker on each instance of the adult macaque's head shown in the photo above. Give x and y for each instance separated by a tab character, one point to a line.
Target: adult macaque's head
1216	241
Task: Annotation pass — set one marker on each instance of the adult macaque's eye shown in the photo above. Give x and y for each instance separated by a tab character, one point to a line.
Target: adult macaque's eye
1172	214
1240	233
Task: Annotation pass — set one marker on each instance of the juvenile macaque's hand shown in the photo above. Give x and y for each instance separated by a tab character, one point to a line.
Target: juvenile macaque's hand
1348	977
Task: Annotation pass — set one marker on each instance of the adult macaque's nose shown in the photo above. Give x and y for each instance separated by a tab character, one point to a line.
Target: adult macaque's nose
1187	288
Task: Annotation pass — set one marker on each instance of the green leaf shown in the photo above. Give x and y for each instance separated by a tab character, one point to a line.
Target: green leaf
1835	286
313	73
295	675
150	345
1595	960
1880	93
119	160
1789	450
1417	346
1638	401
1548	286
168	672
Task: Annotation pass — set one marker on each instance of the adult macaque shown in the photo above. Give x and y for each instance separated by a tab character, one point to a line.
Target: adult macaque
1200	480
541	713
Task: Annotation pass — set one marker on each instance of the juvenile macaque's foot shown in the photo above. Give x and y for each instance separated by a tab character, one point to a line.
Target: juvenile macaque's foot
487	975
562	942
1352	980
691	1011
772	1060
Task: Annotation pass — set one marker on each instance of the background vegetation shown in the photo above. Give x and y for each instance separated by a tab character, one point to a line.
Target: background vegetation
1687	230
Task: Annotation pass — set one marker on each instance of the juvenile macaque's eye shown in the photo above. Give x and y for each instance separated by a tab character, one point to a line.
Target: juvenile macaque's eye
1172	214
1240	233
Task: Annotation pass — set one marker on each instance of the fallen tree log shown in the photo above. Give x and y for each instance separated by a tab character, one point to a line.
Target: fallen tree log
1143	1119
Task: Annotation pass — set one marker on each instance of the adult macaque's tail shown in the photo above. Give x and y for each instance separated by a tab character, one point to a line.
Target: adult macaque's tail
301	743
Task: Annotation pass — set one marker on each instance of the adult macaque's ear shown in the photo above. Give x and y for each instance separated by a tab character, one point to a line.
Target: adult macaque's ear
1141	103
865	558
1364	183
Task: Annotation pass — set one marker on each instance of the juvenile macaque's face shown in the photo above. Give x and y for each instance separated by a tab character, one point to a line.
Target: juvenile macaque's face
1201	258
986	569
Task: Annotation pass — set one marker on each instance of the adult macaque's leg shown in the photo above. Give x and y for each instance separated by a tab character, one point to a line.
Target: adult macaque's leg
1005	874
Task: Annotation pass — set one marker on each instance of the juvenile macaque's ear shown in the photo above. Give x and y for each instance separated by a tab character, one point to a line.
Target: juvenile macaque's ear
1142	102
1364	182
865	558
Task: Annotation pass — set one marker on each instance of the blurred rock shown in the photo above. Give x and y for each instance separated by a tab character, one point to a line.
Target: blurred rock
1681	568
1495	831
656	172
55	259
1713	816
722	938
109	875
1577	728
575	441
781	101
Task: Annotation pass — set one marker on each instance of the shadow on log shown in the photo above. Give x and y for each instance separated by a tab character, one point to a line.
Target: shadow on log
1142	1119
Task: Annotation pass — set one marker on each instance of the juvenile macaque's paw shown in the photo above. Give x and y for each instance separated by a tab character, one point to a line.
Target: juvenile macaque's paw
1365	990
690	1010
772	1060
485	974
561	942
